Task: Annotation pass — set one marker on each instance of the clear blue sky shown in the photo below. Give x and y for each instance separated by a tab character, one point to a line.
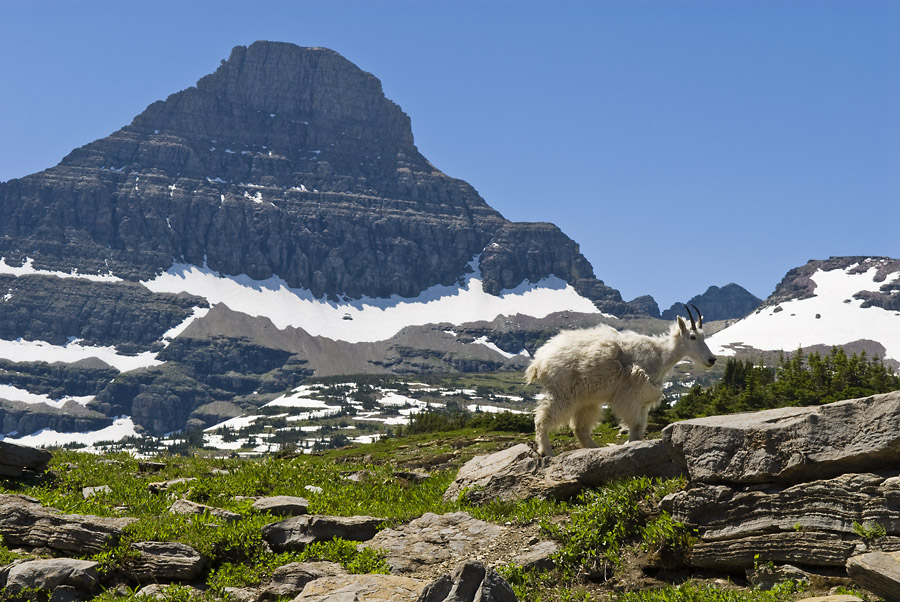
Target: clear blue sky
682	144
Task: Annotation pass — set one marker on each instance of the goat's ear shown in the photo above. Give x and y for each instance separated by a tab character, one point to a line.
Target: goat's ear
681	324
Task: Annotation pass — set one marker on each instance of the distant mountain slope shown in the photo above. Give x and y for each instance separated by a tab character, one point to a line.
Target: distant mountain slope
729	302
283	192
846	301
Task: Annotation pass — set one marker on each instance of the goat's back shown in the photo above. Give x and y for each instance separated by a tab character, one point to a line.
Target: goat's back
576	354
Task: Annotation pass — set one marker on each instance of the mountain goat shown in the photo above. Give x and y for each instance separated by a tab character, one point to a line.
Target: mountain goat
583	370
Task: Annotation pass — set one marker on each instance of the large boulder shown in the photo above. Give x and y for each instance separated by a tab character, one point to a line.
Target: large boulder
17	459
69	577
24	522
294	534
519	472
790	444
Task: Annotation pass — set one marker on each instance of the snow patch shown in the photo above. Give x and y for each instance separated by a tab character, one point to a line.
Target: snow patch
831	317
369	319
28	268
20	350
13	393
121	428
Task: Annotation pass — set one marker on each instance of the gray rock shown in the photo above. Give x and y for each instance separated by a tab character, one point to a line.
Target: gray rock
790	444
282	504
16	458
878	572
294	534
538	557
24	522
433	539
368	588
518	472
189	507
73	576
165	561
767	577
161	486
88	492
157	591
469	582
721	512
290	579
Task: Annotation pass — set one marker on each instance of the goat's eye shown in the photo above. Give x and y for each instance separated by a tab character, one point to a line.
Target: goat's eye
693	337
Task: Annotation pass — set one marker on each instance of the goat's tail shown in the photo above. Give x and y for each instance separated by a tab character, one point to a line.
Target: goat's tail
532	372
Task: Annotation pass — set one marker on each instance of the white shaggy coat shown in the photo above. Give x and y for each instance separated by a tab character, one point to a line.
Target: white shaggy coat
583	370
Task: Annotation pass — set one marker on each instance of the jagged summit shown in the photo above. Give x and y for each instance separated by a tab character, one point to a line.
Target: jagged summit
288	162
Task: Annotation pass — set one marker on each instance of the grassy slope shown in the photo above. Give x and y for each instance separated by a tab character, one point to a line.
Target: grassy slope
606	534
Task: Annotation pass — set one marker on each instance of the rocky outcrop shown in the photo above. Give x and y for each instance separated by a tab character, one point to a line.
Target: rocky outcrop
519	472
376	588
290	579
790	444
433	539
191	508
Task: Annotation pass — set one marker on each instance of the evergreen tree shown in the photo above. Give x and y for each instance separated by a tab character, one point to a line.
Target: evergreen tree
798	380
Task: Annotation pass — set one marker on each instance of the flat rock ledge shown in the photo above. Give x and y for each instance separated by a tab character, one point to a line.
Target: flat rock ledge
790	444
519	472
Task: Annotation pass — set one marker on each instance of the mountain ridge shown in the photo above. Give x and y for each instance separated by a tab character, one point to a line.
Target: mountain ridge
285	161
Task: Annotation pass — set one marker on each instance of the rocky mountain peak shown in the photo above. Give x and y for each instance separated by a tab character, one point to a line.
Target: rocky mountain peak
287	162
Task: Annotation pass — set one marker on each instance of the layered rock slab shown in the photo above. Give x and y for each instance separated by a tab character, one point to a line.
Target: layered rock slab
790	444
24	522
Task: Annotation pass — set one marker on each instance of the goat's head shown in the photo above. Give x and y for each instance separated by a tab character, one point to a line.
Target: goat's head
692	338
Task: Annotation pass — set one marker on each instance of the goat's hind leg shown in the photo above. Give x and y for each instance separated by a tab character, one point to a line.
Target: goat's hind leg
543	422
586	418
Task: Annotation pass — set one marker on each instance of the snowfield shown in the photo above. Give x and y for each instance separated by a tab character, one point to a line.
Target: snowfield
369	319
831	317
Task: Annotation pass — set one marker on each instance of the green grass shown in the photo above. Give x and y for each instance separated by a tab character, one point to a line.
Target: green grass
597	531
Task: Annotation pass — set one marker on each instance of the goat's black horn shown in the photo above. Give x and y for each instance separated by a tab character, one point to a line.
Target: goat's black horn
699	317
690	315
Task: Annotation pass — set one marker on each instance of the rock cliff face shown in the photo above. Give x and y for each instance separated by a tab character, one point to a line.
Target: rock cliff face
729	302
798	283
287	161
